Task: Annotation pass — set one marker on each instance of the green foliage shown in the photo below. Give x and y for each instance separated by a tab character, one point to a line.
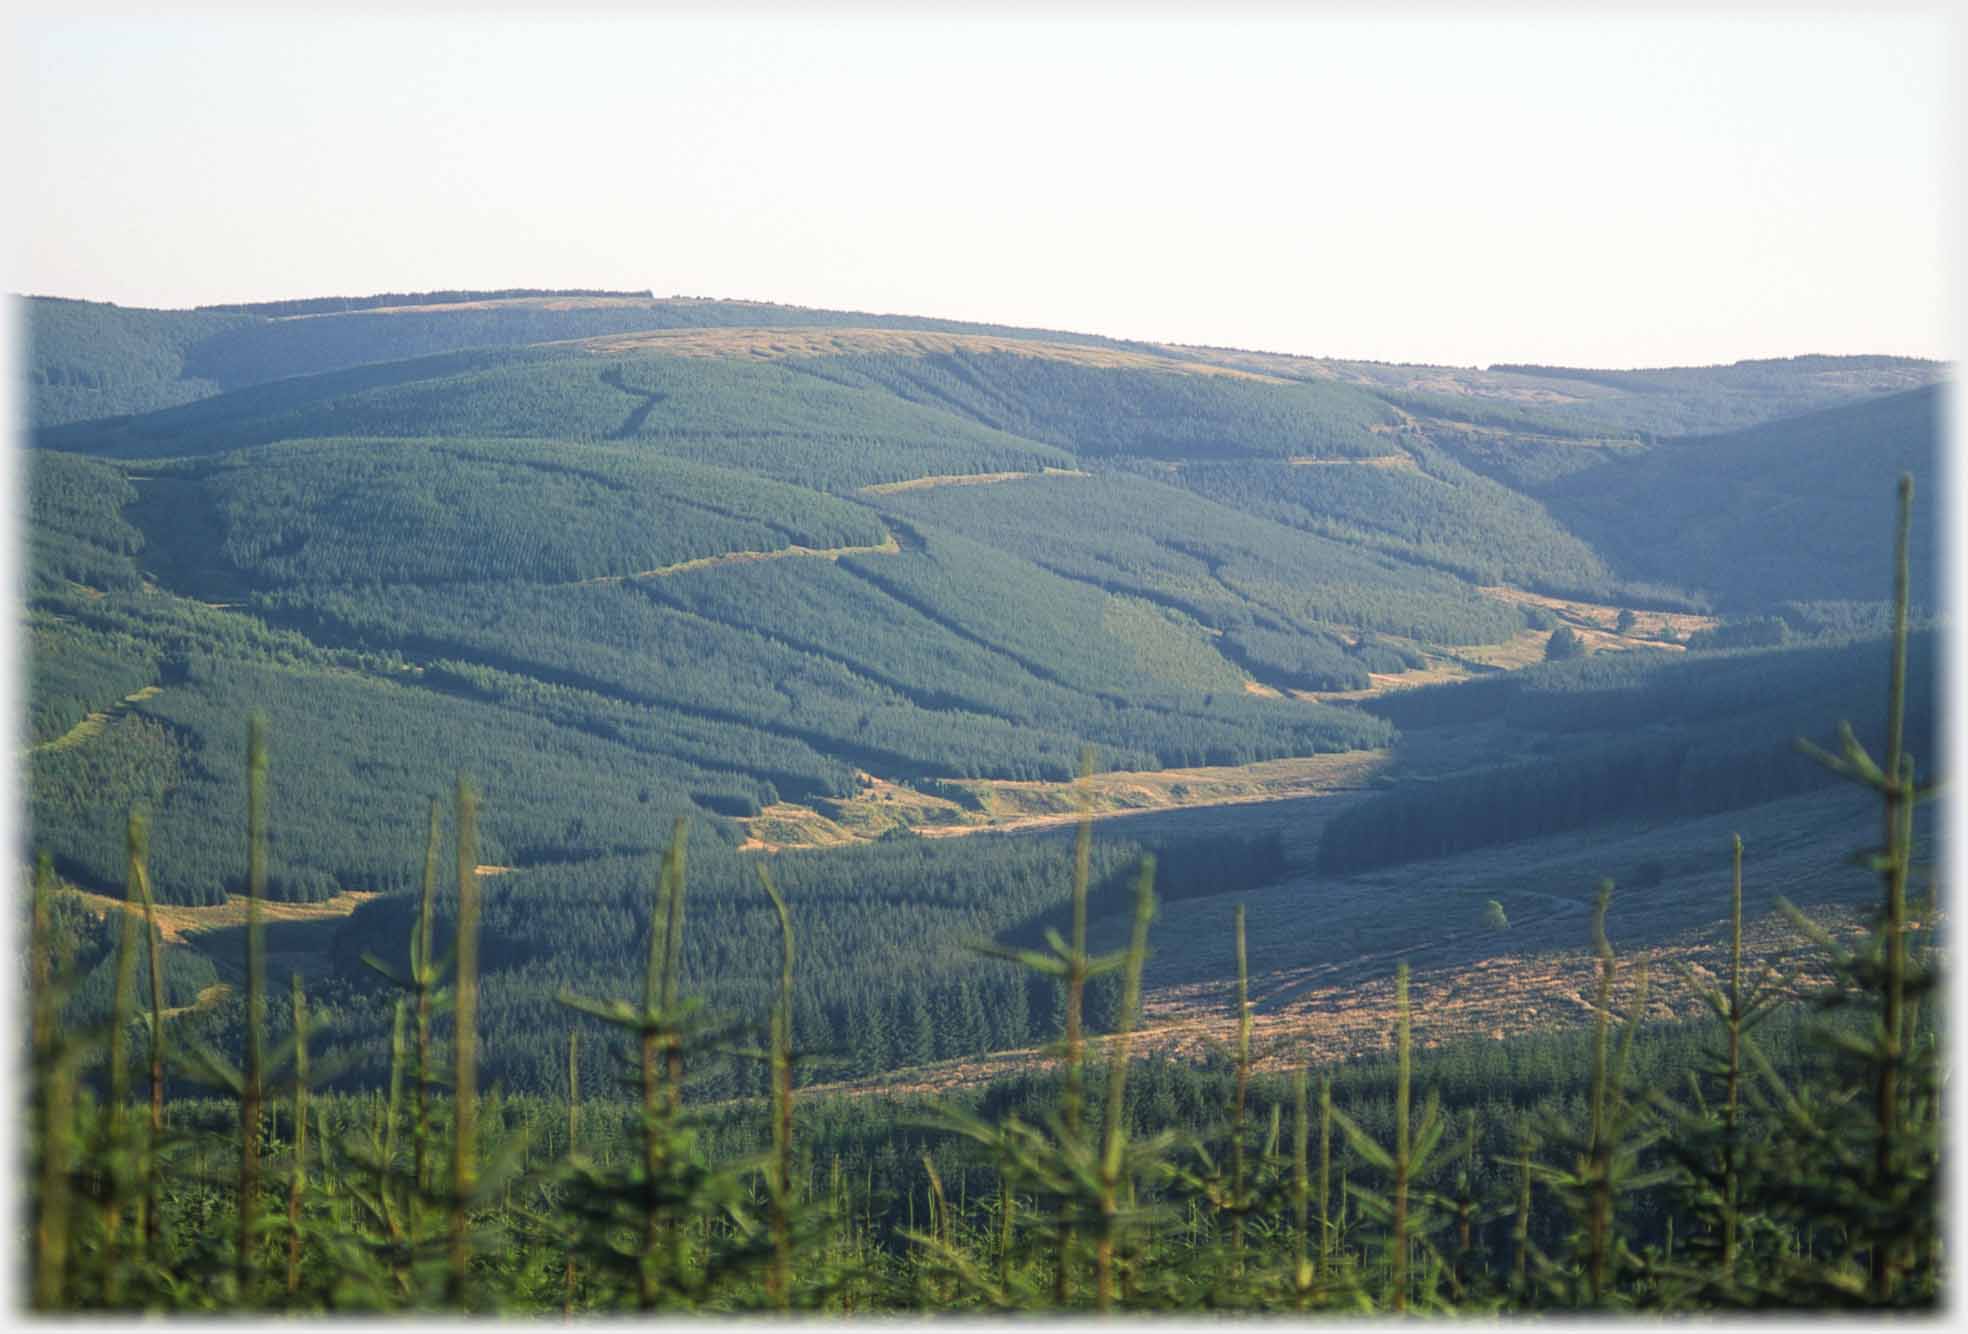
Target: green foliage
360	750
1225	568
421	558
886	981
389	536
1565	643
1313	661
1693	400
1626	735
76	529
1770	513
79	671
828	656
1437	514
276	349
1750	632
92	359
765	417
976	1203
335	305
1796	685
352	511
1168	645
1097	412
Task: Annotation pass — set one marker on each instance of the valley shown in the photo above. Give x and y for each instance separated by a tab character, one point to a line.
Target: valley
856	591
1276	665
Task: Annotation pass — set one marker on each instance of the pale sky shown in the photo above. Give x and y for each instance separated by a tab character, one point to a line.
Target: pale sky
1600	190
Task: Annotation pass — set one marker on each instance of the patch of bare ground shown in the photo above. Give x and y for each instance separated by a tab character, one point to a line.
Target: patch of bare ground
1025	805
1461	383
1524	649
772	344
1611	443
1597	620
1323	950
94	723
965	479
208	998
993	805
788	825
1397	462
1439	671
888	546
176	922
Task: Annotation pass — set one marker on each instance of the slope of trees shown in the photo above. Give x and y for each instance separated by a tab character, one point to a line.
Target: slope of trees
1773	513
356	511
90	359
1437	514
888	978
336	305
1101	412
846	670
765	418
1628	735
79	671
1702	400
718	691
1797	1164
1223	567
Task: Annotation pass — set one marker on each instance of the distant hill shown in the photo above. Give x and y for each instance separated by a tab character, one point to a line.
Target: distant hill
104	360
87	360
1782	510
749	552
774	570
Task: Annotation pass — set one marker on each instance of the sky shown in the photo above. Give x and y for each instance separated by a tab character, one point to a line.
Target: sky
1519	185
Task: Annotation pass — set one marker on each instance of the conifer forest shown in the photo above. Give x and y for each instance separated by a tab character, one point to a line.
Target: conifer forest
562	802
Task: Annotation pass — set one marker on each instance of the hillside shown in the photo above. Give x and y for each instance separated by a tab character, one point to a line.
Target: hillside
813	576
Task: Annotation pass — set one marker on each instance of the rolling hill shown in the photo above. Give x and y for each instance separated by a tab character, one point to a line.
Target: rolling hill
626	559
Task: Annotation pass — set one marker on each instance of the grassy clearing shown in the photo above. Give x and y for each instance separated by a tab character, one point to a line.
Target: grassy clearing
1440	671
1006	805
181	924
774	344
1525	649
1465	384
1395	462
94	723
1596	620
965	479
789	825
997	805
887	547
495	303
208	998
